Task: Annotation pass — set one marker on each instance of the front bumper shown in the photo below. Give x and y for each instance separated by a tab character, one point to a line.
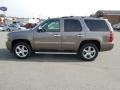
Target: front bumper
9	45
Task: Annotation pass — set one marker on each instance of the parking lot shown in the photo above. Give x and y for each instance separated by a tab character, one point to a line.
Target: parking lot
59	72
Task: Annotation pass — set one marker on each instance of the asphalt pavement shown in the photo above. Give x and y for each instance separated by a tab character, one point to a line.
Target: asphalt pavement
59	72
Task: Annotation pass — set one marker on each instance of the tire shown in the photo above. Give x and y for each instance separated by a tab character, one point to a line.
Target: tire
22	50
88	52
8	30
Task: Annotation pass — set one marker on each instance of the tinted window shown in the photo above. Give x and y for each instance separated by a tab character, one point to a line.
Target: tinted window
97	25
52	25
71	25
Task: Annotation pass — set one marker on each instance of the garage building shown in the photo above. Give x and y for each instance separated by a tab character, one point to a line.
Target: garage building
112	16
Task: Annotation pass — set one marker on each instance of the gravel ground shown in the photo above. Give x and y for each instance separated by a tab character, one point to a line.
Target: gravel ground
59	72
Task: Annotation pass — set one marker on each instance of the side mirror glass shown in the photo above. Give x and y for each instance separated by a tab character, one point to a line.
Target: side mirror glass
40	29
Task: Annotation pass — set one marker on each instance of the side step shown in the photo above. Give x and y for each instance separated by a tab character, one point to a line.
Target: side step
55	53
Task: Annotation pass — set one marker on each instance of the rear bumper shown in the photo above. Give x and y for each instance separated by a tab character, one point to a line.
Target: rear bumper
107	47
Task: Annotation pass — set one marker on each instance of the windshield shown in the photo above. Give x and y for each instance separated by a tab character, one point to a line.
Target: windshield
40	24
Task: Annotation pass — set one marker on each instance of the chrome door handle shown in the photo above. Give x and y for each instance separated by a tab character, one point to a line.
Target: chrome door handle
80	35
57	35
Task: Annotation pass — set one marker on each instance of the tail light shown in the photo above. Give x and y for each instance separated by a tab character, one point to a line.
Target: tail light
112	37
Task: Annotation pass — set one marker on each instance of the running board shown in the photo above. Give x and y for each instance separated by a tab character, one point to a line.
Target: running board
55	53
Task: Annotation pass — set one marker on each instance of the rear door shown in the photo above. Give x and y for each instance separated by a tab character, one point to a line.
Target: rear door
72	34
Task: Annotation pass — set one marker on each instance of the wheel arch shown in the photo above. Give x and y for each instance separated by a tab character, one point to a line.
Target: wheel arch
96	42
20	40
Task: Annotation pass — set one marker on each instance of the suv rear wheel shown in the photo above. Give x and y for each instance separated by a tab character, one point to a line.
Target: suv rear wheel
22	50
88	52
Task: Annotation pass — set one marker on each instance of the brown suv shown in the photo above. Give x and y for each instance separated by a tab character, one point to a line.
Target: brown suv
85	36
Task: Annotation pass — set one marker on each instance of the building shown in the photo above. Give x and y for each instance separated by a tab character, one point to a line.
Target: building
112	16
22	20
17	19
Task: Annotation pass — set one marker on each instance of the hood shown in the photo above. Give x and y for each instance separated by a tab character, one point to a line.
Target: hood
20	34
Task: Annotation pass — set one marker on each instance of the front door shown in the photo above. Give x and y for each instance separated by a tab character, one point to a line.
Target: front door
50	36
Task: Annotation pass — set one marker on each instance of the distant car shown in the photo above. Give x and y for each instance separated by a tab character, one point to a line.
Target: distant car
116	26
13	27
22	28
2	28
30	25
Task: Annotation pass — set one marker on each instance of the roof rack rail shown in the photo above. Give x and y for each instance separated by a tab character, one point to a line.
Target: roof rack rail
83	17
67	16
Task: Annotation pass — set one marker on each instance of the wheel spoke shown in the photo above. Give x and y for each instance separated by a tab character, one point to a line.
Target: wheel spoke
23	54
85	55
86	51
18	53
19	48
23	47
93	51
25	51
89	48
91	56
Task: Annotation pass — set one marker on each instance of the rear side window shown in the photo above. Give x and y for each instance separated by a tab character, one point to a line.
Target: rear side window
97	25
71	25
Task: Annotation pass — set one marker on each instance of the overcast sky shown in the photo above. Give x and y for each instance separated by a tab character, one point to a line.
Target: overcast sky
56	8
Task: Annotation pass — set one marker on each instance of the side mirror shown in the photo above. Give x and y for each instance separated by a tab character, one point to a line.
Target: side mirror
39	29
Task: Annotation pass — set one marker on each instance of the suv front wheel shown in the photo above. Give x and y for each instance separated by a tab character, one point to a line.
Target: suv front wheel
88	52
22	50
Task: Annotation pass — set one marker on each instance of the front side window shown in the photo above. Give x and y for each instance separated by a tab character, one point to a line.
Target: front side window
97	25
71	25
51	26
